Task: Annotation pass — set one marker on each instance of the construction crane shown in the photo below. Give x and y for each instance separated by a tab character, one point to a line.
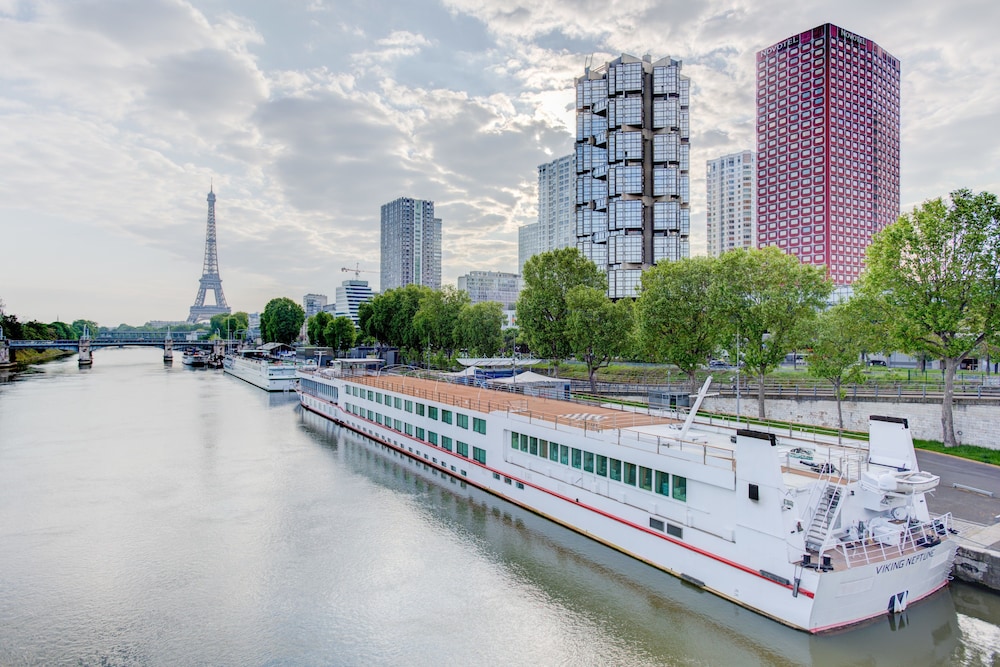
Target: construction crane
357	270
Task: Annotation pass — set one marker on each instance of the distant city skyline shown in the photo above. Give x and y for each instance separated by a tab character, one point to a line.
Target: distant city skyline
306	117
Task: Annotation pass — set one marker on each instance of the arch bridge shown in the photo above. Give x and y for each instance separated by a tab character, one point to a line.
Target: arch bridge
85	346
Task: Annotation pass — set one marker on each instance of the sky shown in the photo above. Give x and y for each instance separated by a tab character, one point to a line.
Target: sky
305	116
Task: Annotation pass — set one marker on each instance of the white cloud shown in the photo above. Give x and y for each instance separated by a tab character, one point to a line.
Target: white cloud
117	114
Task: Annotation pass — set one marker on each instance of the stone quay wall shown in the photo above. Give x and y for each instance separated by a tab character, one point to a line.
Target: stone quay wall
977	421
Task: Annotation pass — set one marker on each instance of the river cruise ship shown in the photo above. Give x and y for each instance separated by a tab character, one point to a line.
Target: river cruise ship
815	535
260	368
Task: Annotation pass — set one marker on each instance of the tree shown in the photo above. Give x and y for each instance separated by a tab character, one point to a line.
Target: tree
436	317
935	273
676	317
79	326
339	333
763	297
390	316
316	327
837	339
541	307
480	329
597	328
227	324
281	321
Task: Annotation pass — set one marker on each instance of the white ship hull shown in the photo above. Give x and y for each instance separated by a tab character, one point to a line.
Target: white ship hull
715	537
268	375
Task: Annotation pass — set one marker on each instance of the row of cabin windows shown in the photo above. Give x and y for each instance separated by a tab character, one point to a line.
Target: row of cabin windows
647	479
430	411
442	441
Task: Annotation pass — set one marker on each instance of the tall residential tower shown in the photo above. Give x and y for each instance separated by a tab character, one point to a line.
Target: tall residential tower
556	211
729	210
411	244
827	147
632	165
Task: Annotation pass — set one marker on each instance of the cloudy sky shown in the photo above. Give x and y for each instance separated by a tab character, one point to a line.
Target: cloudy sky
306	116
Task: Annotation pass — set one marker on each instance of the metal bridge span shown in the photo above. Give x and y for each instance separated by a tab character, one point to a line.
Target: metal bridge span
86	346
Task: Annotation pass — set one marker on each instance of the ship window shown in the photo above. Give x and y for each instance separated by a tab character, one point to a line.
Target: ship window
577	458
446	442
463	420
370	394
408	406
564	455
420	433
496	475
663	483
462	448
680	488
378	418
553	452
432	412
655	523
602	465
629	474
446	416
506	480
675	531
645	479
371	415
479	455
479	425
524	443
420	409
616	470
543	448
533	445
588	461
513	440
432	437
378	397
398	425
520	485
408	429
397	402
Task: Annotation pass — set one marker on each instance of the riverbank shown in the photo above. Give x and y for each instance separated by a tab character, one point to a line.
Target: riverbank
27	357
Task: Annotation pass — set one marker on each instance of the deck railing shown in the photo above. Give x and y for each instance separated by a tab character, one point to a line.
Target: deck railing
913	537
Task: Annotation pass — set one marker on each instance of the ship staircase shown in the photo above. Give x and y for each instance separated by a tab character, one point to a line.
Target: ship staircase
827	494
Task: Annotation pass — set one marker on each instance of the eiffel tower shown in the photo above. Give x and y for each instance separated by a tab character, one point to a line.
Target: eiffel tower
210	279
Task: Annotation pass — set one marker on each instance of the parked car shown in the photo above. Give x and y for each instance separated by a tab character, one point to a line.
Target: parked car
876	362
718	363
801	453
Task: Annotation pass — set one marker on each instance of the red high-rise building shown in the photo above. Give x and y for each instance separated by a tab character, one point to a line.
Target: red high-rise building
827	147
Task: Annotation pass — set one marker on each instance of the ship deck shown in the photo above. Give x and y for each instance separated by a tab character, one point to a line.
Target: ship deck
588	416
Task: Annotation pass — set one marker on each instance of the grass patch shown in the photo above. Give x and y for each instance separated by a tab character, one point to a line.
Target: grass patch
971	452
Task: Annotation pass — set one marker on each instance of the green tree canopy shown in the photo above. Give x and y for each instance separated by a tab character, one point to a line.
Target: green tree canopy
677	319
597	328
339	333
281	321
934	275
389	317
763	297
79	325
480	329
227	324
541	308
436	317
837	337
316	327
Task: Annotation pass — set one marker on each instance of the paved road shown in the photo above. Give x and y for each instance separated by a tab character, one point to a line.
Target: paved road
964	505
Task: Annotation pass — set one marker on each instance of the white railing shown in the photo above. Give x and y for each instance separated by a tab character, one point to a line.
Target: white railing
871	549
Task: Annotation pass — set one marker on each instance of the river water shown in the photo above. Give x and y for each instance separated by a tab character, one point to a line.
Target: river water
163	515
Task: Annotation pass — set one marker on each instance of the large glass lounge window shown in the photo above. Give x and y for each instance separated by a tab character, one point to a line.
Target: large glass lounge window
663	483
602	466
680	488
588	461
553	452
543	448
616	470
645	478
577	458
630	474
564	455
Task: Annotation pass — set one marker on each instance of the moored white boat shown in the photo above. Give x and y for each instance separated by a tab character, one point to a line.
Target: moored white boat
261	369
195	358
813	548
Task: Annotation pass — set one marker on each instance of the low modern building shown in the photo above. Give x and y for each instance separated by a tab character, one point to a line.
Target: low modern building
351	294
492	286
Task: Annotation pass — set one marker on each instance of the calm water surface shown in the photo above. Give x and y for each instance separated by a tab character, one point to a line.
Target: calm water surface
154	515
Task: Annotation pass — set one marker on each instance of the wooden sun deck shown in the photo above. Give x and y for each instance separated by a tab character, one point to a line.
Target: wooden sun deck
587	416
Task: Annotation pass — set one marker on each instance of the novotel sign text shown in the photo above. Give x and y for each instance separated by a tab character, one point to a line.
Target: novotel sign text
780	46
